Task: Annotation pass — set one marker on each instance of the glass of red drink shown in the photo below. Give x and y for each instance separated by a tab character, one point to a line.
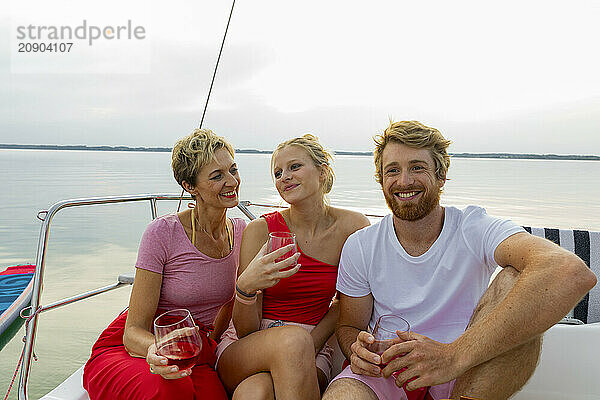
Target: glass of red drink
385	334
177	338
281	239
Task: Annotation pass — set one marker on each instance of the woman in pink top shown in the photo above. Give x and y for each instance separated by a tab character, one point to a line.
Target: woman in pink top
186	260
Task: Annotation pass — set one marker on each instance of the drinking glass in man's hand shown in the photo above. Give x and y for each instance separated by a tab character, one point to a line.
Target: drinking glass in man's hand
385	334
177	338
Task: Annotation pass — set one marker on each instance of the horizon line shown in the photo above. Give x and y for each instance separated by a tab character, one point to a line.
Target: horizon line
85	147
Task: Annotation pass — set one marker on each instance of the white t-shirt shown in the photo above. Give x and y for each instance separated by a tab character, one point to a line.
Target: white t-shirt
435	292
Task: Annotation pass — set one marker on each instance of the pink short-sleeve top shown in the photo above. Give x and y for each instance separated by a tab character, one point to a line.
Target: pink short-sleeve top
190	279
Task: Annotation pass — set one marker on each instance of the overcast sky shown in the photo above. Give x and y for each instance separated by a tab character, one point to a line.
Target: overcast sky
510	76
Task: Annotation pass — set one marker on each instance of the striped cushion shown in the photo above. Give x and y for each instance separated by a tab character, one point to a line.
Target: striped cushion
587	247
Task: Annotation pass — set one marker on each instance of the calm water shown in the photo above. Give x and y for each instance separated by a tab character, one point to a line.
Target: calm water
90	246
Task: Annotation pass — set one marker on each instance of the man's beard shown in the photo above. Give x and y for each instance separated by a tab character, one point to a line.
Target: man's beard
409	211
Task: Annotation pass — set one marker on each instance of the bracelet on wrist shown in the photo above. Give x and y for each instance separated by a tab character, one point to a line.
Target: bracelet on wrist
240	291
242	300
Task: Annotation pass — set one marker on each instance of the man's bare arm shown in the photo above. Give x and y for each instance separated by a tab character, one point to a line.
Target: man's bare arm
551	282
355	313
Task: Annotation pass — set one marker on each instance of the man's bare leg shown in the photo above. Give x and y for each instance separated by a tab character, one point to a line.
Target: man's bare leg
348	388
504	375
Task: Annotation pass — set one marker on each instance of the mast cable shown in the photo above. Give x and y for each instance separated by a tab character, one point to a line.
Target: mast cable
211	83
217	65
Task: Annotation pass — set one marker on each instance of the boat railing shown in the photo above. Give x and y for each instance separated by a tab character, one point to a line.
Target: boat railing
31	313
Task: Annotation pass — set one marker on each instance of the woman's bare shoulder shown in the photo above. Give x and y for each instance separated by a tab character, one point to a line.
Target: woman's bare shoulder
349	220
257	228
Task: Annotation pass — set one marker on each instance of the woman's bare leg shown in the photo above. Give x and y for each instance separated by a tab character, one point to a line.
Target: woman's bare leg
256	387
260	386
286	352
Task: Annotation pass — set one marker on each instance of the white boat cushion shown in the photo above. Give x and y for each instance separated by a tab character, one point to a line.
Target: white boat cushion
70	389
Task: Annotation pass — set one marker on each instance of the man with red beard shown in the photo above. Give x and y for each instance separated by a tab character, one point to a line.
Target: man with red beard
431	265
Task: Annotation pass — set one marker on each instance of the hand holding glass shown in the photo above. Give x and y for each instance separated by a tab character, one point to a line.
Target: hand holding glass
280	239
177	338
385	335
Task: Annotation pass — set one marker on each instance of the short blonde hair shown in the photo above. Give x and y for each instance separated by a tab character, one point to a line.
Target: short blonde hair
319	155
413	134
193	152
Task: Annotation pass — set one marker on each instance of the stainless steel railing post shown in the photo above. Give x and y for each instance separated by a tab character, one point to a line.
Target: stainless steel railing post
153	208
35	301
243	207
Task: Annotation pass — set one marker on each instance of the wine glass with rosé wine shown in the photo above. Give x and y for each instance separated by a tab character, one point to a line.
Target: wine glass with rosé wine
385	336
177	338
281	239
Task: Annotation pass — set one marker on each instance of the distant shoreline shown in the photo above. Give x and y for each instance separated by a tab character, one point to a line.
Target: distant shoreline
515	156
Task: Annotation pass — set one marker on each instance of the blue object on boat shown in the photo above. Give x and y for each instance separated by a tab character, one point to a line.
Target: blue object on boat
16	289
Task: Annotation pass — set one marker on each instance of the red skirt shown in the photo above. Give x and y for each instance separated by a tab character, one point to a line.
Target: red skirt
111	373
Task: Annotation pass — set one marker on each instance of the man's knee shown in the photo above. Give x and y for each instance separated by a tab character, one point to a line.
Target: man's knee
348	388
496	292
506	278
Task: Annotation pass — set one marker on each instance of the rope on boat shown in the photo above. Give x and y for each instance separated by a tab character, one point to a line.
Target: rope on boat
12	381
212	81
274	206
265	205
27	319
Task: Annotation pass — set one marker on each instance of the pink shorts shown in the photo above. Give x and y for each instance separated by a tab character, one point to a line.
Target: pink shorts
386	389
323	358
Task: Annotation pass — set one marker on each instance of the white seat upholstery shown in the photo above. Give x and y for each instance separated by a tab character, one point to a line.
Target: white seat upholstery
568	367
70	389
